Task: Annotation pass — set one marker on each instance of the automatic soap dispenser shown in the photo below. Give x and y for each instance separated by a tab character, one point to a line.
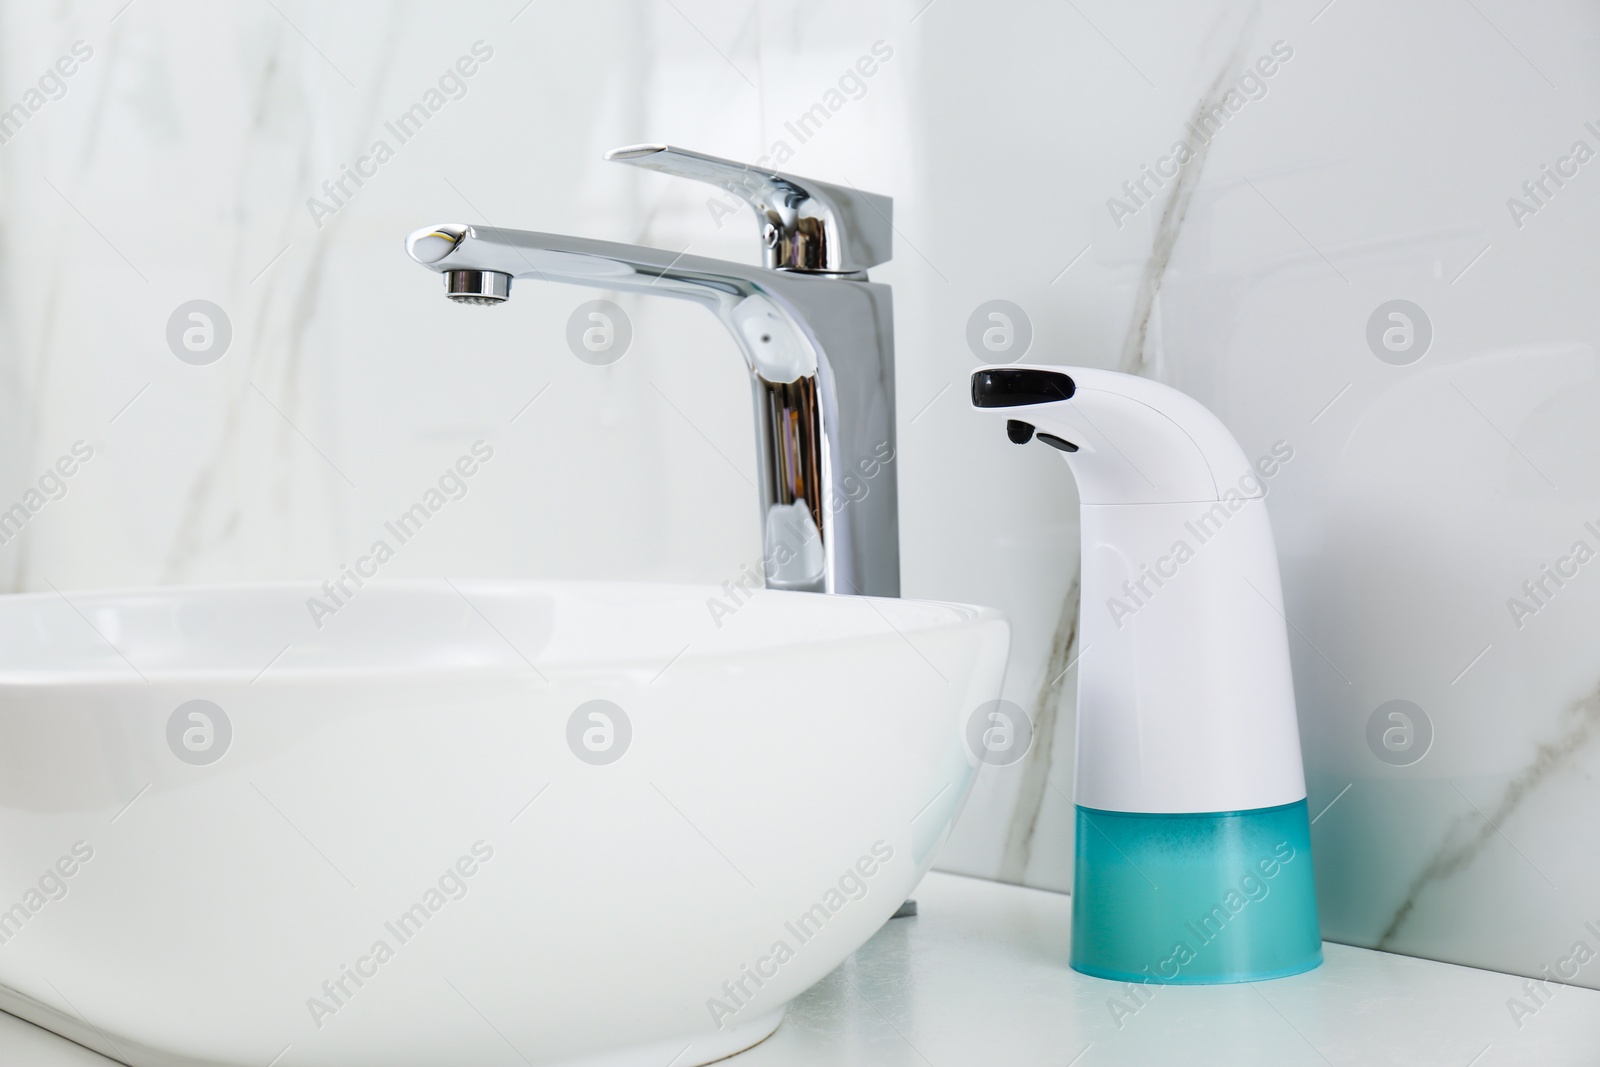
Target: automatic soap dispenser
1193	856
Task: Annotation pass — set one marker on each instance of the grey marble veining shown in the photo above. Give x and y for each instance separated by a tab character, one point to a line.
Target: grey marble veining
1056	696
1050	729
1466	837
1136	355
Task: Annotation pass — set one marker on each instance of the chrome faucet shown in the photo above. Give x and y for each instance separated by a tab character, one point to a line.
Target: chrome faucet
817	336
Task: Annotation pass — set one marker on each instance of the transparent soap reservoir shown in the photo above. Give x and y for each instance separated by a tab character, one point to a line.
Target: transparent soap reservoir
1195	899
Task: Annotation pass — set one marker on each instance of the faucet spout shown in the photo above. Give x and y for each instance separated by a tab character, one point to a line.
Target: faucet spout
820	352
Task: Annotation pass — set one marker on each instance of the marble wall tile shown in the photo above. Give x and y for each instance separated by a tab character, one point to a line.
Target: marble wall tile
1377	163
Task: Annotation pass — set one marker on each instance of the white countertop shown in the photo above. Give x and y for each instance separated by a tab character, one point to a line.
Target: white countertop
980	977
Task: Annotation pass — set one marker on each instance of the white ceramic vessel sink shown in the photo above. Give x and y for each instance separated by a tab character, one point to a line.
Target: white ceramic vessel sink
396	844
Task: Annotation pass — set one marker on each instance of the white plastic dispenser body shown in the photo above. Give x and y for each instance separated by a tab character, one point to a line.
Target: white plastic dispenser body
1193	848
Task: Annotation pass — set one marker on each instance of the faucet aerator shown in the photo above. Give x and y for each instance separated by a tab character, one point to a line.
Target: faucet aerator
486	287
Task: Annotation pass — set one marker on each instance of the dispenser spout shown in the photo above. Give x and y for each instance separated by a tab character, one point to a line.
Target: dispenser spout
1135	441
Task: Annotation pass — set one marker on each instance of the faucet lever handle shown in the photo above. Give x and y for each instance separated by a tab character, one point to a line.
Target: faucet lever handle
807	226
